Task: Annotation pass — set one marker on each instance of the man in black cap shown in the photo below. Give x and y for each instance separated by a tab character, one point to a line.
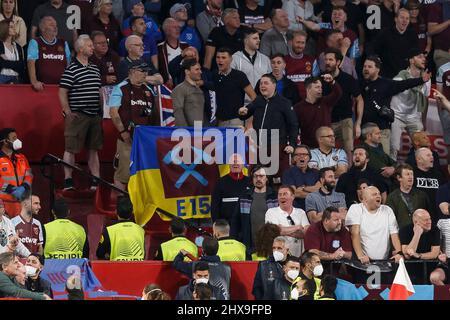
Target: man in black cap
132	103
410	106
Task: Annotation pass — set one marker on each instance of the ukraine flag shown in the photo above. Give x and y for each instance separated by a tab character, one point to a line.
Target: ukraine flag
176	168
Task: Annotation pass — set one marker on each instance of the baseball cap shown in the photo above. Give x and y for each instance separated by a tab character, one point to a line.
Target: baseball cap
139	65
177	7
413	52
134	2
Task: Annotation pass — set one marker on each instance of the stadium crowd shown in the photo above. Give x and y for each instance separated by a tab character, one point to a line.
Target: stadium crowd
340	81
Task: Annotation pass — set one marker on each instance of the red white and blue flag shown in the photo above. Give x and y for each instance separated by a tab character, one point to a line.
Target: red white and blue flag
165	106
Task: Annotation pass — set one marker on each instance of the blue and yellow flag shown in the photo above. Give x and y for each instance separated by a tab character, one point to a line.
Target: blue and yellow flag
176	168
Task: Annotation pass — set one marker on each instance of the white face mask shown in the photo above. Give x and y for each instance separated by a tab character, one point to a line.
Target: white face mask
202	280
292	274
31	271
278	256
17	144
294	294
318	270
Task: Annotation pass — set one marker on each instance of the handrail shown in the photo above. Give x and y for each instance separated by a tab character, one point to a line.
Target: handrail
50	159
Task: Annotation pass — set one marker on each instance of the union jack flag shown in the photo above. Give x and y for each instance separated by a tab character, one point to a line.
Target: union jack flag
165	106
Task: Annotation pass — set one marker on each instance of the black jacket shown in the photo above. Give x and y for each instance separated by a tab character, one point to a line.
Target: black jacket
224	199
39	285
267	272
274	113
281	289
185	292
219	273
290	90
241	222
381	90
18	66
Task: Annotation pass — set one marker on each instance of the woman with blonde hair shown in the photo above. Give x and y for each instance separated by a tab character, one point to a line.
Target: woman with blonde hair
152	291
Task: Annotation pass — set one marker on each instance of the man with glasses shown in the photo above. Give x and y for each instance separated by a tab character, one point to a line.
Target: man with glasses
326	155
249	216
135	48
301	177
106	59
293	222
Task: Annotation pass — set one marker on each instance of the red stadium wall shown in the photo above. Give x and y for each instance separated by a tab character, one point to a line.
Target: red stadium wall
39	122
131	277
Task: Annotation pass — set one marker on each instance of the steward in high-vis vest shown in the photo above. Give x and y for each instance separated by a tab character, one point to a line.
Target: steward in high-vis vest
124	240
15	172
311	269
229	249
168	250
64	239
328	287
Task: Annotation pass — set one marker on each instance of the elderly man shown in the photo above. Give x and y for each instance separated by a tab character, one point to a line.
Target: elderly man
270	269
9	269
327	155
328	238
79	95
275	40
301	177
225	196
135	48
230	35
59	11
293	222
420	240
132	103
325	197
139	28
427	178
47	56
373	228
170	48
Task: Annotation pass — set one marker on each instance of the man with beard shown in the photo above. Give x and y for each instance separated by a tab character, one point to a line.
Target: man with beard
249	216
300	66
348	181
293	222
326	155
315	111
318	201
377	93
301	177
210	18
328	238
342	114
29	229
410	106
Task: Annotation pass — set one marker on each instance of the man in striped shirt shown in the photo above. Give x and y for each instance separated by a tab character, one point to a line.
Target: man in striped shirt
79	95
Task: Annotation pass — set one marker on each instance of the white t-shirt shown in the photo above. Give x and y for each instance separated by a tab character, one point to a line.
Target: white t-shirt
375	229
172	52
280	217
